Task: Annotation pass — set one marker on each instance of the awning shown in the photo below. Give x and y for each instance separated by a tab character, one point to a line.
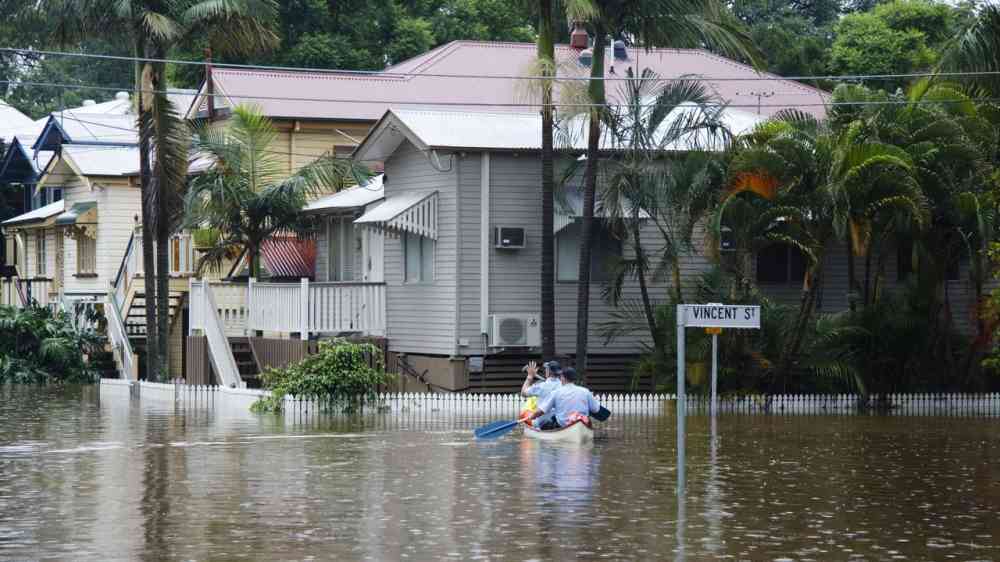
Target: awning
357	197
412	211
84	212
41	214
289	257
572	208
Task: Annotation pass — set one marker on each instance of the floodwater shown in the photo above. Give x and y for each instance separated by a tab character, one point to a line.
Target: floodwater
89	478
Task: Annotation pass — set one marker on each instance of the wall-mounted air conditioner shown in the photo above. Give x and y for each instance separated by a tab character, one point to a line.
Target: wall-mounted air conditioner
508	237
515	330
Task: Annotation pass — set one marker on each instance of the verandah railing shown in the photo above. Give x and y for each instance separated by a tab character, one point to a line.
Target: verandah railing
304	308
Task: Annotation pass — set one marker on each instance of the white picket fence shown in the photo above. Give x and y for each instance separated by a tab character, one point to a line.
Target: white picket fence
967	405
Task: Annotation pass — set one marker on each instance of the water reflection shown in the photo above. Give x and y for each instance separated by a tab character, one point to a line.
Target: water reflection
85	479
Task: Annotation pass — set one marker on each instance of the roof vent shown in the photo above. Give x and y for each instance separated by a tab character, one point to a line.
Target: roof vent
586	57
88	103
620	52
123	96
578	39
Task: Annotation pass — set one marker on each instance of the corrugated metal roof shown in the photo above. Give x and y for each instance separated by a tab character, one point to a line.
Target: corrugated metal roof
287	256
330	92
350	198
39	214
103	160
11	118
78	213
515	131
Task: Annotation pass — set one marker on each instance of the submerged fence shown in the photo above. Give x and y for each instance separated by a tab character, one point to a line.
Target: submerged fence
199	396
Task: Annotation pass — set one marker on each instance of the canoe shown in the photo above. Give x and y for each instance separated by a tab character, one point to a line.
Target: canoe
576	432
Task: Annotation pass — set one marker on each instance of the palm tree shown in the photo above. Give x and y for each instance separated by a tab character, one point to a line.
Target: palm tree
247	194
546	63
977	49
650	23
642	185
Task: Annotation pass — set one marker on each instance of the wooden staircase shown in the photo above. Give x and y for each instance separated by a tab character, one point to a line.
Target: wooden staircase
246	363
135	322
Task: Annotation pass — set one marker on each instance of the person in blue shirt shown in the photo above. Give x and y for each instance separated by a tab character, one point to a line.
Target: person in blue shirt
541	390
535	392
568	402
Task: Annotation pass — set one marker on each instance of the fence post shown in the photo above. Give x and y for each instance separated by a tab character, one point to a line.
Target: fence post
304	308
249	330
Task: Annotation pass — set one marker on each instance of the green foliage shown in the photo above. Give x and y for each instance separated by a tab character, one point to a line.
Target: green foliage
247	197
41	348
867	44
413	37
342	375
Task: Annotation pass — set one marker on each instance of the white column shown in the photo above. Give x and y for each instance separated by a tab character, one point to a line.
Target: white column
248	331
304	308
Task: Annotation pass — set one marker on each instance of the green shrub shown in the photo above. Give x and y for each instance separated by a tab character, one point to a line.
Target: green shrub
42	347
343	375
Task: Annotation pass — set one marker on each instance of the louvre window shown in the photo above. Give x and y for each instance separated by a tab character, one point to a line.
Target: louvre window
41	256
86	255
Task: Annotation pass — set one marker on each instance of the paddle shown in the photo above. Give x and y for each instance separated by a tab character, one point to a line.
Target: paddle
495	429
601	415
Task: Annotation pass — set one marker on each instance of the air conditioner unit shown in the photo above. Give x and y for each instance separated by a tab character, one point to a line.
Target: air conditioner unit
515	330
508	238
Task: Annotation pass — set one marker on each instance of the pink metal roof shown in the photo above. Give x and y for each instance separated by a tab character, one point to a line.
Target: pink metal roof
331	95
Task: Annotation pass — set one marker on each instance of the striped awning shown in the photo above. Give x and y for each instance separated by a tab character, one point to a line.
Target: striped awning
411	211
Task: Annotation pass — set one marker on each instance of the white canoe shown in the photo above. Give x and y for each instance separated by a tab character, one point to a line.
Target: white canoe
577	432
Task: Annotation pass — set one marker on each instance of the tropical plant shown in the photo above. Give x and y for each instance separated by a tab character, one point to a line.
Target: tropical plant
247	194
643	186
674	23
42	347
342	375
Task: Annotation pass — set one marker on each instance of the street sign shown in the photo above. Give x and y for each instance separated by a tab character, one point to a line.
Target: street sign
721	316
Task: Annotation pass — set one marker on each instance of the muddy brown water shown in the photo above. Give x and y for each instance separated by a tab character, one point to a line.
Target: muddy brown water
85	478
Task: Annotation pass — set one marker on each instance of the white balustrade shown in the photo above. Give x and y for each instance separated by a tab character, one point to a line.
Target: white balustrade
125	358
304	308
208	321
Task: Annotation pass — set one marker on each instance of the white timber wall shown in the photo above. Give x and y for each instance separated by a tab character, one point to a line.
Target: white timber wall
420	317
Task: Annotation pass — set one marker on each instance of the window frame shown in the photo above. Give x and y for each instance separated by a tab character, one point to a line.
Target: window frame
793	273
598	271
425	245
81	240
41	254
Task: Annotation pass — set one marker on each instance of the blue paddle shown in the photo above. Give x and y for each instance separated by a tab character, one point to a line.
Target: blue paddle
495	429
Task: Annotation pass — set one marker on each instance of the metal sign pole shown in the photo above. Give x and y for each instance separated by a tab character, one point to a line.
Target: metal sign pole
681	398
715	370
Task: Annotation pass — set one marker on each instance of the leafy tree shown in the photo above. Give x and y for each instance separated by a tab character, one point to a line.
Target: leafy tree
413	36
247	195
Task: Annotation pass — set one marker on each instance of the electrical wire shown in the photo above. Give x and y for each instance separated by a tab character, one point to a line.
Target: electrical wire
394	74
431	106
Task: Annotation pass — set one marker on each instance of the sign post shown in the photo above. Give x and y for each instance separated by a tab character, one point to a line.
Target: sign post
713	316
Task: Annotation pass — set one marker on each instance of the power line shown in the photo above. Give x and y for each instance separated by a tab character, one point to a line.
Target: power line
392	74
430	106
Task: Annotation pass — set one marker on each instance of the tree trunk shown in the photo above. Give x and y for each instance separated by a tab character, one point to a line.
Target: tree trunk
807	305
163	231
148	210
596	89
866	298
851	279
647	305
546	53
676	273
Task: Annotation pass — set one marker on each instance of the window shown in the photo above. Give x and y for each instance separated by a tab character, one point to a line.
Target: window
86	255
418	258
55	194
40	253
341	247
780	264
603	251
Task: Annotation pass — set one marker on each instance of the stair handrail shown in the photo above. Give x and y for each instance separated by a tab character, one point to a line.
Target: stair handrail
121	282
20	292
119	338
219	350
